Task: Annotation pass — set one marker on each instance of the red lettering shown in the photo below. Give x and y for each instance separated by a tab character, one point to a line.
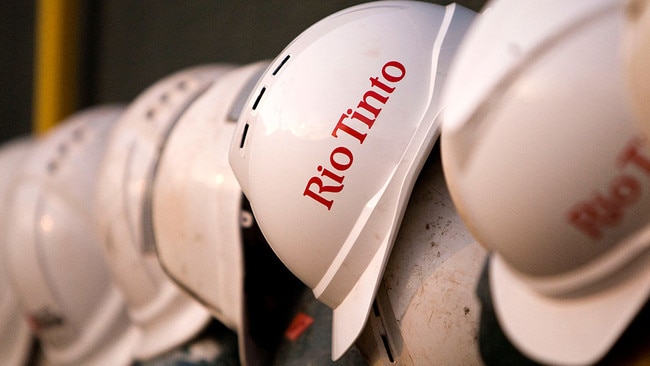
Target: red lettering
344	151
360	117
388	76
341	158
591	216
624	190
608	210
632	155
585	217
347	129
321	188
330	175
375	82
365	105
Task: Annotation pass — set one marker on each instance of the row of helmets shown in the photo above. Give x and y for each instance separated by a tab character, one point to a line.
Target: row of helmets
81	261
128	228
543	155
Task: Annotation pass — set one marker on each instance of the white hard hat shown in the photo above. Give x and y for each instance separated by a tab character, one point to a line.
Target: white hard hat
166	316
548	169
15	337
426	312
638	57
332	139
52	256
197	207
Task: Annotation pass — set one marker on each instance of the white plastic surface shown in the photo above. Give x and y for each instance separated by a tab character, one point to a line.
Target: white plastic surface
197	204
15	337
165	316
350	107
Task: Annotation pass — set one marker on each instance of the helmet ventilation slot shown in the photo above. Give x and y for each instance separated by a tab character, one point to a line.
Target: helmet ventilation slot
284	61
259	97
243	136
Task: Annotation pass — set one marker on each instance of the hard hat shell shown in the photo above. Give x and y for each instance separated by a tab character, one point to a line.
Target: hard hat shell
15	337
164	314
548	170
52	254
426	312
197	205
637	38
332	138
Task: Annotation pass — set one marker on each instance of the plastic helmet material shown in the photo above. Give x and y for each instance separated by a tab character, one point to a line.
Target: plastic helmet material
197	205
426	311
548	169
637	37
52	255
332	139
166	316
15	336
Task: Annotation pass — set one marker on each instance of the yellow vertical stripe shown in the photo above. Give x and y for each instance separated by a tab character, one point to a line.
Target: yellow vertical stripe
57	62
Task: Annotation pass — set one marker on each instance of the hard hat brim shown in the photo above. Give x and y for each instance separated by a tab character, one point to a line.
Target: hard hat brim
181	321
351	314
571	329
348	320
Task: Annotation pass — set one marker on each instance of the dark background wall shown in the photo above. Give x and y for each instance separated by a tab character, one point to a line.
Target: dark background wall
16	57
127	45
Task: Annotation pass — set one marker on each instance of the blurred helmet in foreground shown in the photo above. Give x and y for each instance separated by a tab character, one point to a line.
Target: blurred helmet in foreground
549	171
52	255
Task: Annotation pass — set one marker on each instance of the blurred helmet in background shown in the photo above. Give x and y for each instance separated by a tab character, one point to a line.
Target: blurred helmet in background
15	337
206	237
165	316
52	255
